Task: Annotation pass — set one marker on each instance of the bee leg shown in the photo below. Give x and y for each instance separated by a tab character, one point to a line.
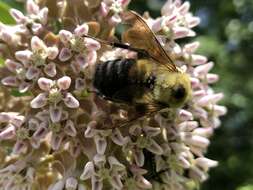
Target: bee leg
99	94
141	53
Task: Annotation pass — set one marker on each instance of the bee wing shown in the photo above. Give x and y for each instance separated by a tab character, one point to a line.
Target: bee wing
142	37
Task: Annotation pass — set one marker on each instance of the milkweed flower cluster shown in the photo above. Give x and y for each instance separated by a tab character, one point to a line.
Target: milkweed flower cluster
56	135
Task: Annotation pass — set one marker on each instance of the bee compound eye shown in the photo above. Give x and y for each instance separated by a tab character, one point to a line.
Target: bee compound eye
179	92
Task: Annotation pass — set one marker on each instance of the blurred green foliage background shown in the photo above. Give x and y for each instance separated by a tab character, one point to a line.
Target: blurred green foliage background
226	36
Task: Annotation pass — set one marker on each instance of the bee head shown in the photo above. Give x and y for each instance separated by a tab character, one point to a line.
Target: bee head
178	92
172	89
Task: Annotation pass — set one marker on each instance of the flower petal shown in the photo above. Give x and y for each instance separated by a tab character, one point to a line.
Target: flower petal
91	57
23	56
32	73
198	59
55	113
52	52
37	28
155	147
41	132
23	87
185	115
10	81
92	44
99	160
64	83
45	84
180	32
59	185
212	78
115	164
205	163
197	174
70	101
117	138
116	182
32	7
101	144
65	36
202	70
12	65
211	98
19	147
143	183
191	47
65	54
39	101
56	141
81	62
104	9
184	8
82	29
18	16
70	128
88	171
42	115
139	157
50	69
8	133
90	132
43	15
37	44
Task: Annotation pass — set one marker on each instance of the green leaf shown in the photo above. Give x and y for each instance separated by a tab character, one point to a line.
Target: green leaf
5	16
14	4
1	62
247	187
16	93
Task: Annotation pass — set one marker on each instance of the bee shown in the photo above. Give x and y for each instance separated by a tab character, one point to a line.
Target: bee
149	83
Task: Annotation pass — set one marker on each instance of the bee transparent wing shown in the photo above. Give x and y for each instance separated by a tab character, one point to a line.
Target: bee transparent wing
140	36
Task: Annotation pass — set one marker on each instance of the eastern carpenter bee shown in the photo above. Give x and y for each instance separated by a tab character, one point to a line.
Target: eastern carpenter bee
149	83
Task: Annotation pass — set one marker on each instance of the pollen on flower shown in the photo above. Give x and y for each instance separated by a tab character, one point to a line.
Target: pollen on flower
62	126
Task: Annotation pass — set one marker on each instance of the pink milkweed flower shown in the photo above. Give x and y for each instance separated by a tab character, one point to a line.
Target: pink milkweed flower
54	93
37	18
65	125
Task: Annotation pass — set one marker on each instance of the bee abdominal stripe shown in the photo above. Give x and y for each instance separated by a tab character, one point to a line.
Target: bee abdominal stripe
114	75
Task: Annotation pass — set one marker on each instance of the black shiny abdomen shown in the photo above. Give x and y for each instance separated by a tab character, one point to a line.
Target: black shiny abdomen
111	76
113	82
